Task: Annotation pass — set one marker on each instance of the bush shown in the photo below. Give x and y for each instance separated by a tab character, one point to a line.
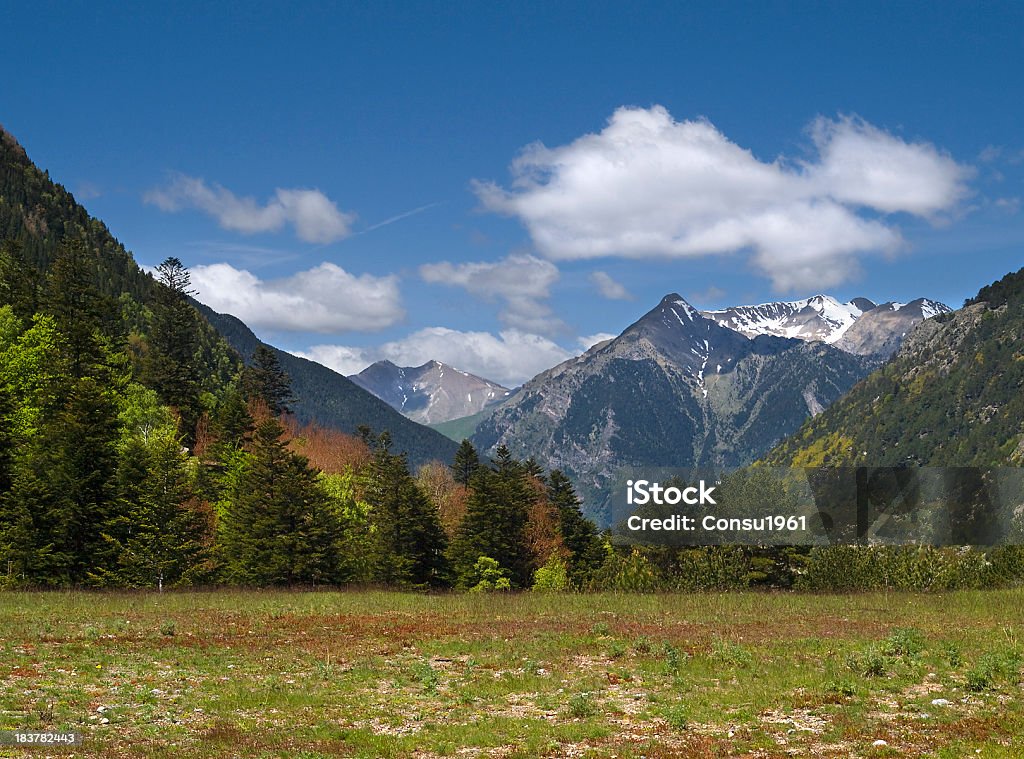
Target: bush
582	705
552	577
712	568
488	575
627	574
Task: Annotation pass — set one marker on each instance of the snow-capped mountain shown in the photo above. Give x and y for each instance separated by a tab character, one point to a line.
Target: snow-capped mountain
676	388
431	393
859	326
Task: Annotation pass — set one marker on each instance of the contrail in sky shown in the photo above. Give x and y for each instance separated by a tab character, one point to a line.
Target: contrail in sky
399	217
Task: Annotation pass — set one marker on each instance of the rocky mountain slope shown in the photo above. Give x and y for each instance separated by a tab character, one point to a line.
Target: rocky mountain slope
432	393
674	389
859	326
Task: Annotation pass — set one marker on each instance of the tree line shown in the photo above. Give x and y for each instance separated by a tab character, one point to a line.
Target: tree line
122	464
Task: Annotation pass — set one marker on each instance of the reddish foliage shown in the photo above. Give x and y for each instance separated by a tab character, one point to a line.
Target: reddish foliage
328	450
447	496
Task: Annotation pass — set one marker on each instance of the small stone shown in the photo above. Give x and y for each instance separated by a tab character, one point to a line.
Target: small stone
104	721
940	702
101	709
880	743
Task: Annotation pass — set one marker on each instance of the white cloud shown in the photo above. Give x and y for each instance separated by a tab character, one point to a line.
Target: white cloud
608	287
521	282
325	298
510	358
648	185
314	216
589	341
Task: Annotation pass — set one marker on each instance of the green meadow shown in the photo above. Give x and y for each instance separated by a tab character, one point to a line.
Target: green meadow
389	674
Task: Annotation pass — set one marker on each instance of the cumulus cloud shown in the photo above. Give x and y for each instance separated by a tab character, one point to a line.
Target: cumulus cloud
510	358
520	282
325	298
313	215
648	185
608	287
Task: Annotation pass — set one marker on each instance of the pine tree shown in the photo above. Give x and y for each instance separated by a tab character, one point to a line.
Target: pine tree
171	366
411	542
578	533
158	536
82	315
495	521
278	527
64	487
265	380
466	463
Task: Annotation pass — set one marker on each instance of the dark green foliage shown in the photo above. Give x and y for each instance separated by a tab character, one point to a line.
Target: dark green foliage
64	490
586	551
277	527
265	380
466	463
159	535
495	522
410	543
82	314
171	367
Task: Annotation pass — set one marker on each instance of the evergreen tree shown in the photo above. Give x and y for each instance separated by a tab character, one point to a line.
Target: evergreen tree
495	521
64	488
158	536
466	463
82	314
578	533
232	423
171	366
411	542
20	284
278	527
264	379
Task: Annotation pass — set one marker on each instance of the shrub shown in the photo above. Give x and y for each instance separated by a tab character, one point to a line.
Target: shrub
552	577
905	641
848	567
712	568
633	573
488	575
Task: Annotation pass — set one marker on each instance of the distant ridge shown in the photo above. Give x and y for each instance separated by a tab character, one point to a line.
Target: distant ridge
432	393
333	400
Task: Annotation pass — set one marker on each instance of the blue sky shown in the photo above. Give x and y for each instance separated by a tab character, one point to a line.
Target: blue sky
344	177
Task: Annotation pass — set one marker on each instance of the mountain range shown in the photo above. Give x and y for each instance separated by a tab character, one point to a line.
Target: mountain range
330	399
681	387
431	393
859	326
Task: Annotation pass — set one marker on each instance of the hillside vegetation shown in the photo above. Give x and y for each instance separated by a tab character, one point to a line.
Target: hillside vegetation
952	396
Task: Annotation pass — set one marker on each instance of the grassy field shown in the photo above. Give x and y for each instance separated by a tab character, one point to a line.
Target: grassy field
389	674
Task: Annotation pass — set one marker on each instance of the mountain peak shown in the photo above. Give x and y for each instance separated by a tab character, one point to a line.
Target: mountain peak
428	393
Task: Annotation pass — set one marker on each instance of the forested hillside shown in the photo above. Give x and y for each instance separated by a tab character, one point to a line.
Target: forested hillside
138	450
333	400
952	396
